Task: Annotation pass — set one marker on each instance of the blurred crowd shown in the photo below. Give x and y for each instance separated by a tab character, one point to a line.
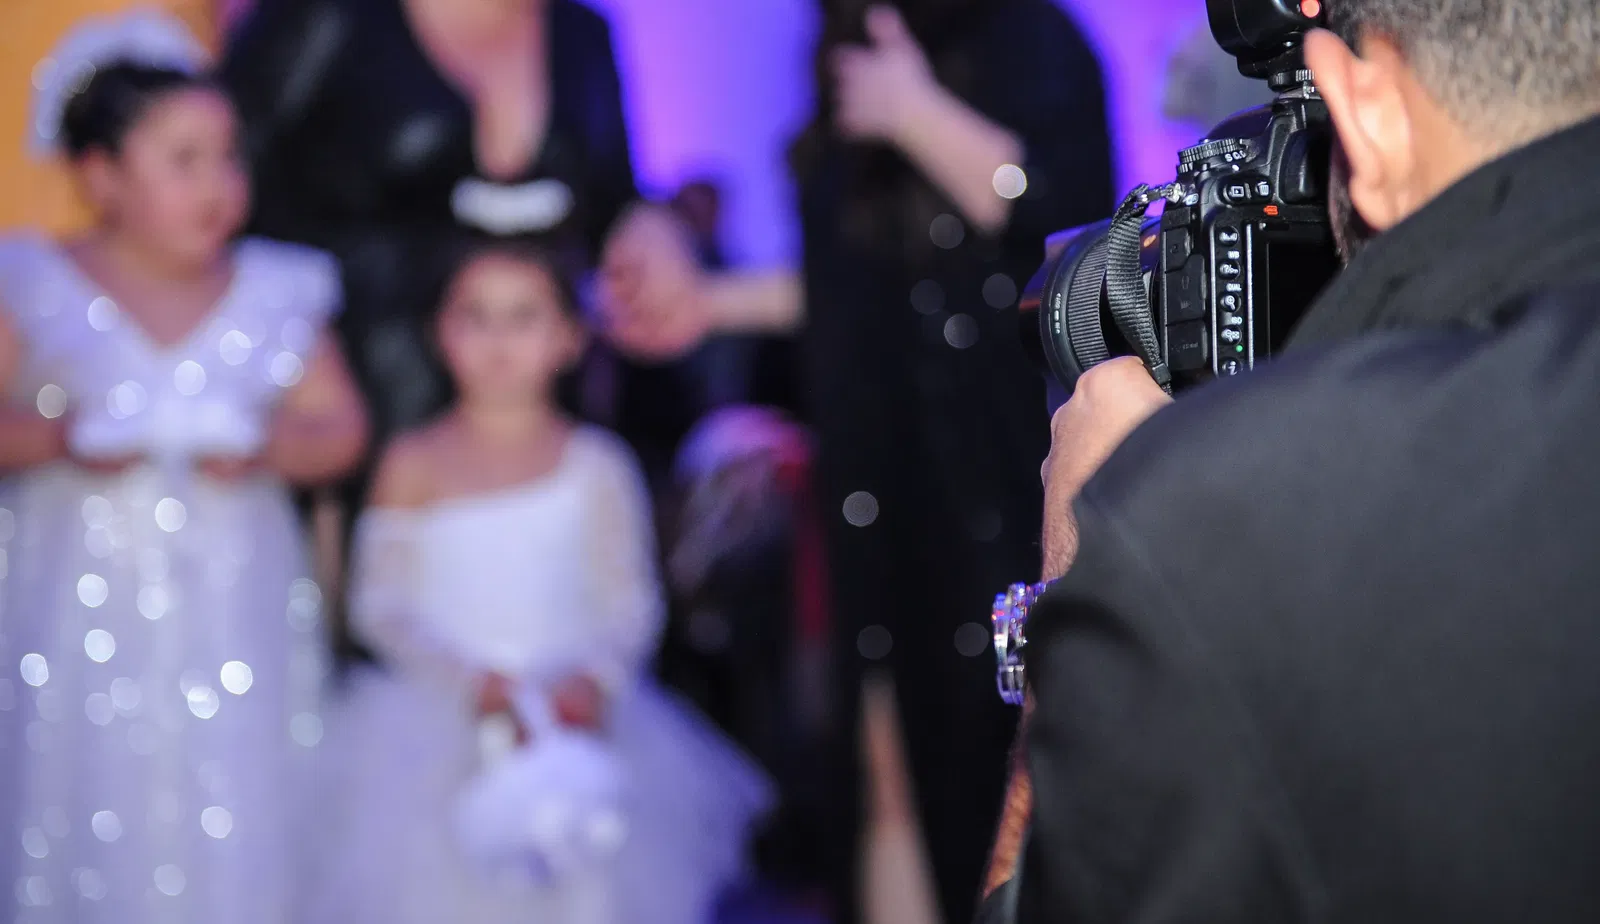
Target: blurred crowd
380	466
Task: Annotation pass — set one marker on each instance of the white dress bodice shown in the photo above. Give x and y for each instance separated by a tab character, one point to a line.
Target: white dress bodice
534	581
212	391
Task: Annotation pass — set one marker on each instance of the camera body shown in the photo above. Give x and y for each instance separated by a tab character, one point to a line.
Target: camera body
1241	248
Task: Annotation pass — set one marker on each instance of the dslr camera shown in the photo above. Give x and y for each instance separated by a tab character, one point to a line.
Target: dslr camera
1241	248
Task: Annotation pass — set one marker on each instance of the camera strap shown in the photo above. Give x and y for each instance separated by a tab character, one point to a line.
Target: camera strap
1126	294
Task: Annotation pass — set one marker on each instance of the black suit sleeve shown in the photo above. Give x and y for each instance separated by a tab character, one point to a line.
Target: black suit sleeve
1152	800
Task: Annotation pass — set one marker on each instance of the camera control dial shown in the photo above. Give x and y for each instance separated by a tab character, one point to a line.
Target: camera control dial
1210	155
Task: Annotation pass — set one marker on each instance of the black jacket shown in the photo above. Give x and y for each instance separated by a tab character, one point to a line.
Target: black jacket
1328	651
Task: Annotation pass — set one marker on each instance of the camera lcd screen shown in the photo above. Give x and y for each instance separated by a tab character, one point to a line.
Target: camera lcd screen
1297	273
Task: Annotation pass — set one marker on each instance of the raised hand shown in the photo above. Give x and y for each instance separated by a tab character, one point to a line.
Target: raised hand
652	290
884	83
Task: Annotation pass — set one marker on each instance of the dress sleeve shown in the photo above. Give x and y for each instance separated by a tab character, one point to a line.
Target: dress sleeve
610	181
624	587
1043	81
384	595
275	67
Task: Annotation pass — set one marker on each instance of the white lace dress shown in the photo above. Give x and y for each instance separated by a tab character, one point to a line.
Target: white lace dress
536	582
160	657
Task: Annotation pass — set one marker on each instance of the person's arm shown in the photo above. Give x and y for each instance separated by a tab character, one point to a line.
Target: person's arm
320	430
755	302
964	154
27	437
1111	400
625	598
386	571
1150	795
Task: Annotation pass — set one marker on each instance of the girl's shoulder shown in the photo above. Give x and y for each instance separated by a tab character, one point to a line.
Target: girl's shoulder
406	477
32	270
595	444
301	279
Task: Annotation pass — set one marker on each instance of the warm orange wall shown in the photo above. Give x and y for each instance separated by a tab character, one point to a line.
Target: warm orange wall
31	193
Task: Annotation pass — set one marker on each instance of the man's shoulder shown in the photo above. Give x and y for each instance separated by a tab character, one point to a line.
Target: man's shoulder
1358	419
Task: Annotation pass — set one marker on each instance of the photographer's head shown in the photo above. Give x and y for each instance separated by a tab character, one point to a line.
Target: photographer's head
1434	89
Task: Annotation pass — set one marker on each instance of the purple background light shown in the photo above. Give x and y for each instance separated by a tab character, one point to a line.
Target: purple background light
719	87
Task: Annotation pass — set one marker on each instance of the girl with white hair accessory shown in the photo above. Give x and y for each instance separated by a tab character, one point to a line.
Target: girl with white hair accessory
161	385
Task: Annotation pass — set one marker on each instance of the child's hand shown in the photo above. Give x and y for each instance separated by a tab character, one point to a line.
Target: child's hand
579	702
228	468
107	465
494	694
494	698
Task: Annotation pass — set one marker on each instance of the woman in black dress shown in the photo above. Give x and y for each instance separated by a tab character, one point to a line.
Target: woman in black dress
951	138
390	131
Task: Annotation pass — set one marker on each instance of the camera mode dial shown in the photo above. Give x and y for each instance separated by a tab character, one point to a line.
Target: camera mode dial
1212	154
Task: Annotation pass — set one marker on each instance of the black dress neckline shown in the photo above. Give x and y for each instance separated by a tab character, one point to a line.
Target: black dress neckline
537	163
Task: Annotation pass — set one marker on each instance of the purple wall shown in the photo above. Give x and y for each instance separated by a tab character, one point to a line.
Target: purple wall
719	86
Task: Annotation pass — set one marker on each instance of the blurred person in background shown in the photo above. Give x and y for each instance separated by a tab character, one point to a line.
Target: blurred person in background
950	137
745	561
506	570
386	130
165	384
39	192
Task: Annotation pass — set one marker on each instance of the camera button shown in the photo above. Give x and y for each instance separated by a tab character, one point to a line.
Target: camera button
1179	246
1227	271
1227	237
1230	366
1231	336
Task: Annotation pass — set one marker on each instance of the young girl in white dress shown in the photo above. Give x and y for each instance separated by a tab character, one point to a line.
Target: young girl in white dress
508	553
162	386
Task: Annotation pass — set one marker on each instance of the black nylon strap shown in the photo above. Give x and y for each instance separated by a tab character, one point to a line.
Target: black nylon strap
1125	290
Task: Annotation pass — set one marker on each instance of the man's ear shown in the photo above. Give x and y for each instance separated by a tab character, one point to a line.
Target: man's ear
1370	115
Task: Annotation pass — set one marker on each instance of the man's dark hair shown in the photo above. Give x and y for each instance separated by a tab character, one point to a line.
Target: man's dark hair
1512	69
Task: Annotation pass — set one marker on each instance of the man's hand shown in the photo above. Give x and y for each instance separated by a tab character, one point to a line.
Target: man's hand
1110	400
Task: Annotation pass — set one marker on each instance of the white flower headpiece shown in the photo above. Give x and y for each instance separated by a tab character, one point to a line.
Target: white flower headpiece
142	36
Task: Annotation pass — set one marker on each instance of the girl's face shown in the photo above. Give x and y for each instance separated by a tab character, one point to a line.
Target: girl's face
178	185
503	330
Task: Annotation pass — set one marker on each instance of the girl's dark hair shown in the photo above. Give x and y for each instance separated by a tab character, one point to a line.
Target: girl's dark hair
100	115
526	252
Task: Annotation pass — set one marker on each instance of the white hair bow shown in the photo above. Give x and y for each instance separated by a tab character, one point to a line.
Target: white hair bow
143	36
